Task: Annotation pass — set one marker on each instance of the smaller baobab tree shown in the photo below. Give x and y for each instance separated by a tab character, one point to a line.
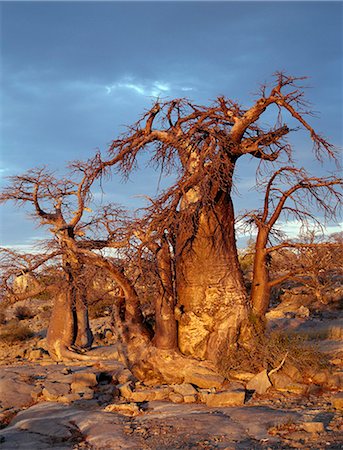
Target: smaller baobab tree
315	264
62	206
289	194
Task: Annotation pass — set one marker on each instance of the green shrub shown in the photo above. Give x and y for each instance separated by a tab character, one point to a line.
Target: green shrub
15	332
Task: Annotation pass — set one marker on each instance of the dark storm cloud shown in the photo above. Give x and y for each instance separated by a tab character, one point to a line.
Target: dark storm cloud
73	73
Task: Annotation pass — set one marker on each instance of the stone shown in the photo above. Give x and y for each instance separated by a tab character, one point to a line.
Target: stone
162	393
77	388
184	389
303	311
175	398
320	377
294	388
125	376
85	378
126	409
292	372
14	393
190	398
313	427
335	381
337	401
226	398
280	380
203	395
260	383
242	376
205	380
143	396
125	389
37	353
53	391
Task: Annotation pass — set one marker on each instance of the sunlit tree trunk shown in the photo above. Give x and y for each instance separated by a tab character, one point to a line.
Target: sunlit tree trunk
212	300
260	289
165	326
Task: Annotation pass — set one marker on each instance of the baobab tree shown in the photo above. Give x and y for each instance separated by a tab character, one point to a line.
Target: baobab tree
60	205
288	194
203	144
202	308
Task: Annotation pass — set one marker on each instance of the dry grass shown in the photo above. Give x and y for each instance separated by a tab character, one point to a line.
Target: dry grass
15	332
269	352
23	312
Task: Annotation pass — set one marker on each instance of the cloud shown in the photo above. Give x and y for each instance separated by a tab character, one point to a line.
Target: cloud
148	88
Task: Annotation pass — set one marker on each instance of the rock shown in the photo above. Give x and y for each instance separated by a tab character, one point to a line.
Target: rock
184	389
226	398
162	393
335	381
320	377
54	391
14	393
260	383
125	389
292	372
85	378
294	388
125	376
313	427
303	311
175	398
126	409
242	376
206	379
36	353
190	398
203	395
337	401
86	392
280	380
143	396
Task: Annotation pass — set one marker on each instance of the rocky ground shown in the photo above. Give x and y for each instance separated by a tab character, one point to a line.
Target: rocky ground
101	405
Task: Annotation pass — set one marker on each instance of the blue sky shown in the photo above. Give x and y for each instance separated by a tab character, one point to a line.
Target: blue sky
74	73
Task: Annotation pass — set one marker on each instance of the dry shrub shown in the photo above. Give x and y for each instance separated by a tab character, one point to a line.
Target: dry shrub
23	312
270	350
15	332
2	318
101	308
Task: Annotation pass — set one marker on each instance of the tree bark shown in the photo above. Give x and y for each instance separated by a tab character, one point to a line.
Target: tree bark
260	289
165	327
213	309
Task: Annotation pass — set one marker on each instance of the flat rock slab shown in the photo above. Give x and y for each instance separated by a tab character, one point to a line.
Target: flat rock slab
160	425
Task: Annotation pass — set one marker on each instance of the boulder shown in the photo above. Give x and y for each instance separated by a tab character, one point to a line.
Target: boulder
175	398
85	378
260	383
337	401
226	398
313	427
125	389
143	396
14	393
205	379
55	391
126	409
184	389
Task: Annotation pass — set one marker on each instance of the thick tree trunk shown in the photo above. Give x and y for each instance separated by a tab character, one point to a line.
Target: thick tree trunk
165	327
213	309
260	289
83	336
